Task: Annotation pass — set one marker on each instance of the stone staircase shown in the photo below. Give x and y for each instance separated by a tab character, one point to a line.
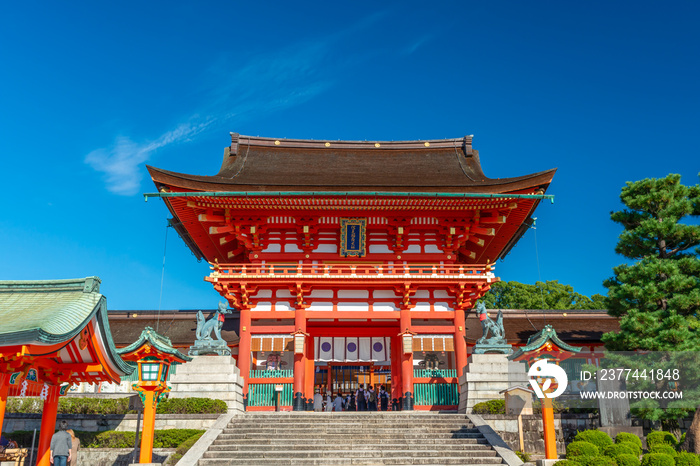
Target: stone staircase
350	439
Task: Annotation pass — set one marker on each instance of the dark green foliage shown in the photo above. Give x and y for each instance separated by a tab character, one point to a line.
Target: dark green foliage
661	437
598	438
566	463
547	295
581	448
658	459
626	437
490	407
88	405
663	448
602	461
656	294
628	460
685	458
618	449
191	406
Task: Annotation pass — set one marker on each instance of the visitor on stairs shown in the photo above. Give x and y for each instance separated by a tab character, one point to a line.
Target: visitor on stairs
329	403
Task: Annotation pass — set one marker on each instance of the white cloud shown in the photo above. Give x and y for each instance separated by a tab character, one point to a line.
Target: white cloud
121	163
240	89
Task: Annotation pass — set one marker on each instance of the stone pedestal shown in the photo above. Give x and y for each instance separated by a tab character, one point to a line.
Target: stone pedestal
485	376
209	377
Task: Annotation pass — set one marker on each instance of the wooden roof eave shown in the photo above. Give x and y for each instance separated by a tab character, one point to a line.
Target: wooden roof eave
180	181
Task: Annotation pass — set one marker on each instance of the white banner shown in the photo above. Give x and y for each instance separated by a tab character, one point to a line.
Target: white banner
352	349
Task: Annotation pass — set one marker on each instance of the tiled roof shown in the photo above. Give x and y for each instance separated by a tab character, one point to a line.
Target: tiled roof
46	311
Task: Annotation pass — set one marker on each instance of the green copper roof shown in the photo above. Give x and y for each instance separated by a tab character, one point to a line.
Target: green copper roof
161	343
539	339
47	312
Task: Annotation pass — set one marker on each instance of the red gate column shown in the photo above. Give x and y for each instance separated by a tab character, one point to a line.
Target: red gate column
406	363
48	426
244	350
460	342
396	386
299	402
309	374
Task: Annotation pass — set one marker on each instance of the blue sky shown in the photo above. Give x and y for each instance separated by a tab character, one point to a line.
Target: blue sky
89	93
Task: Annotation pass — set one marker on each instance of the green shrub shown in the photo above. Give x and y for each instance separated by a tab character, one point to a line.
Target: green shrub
580	448
628	460
566	463
193	406
598	438
602	461
626	437
613	451
524	457
490	407
660	437
89	405
663	448
583	460
685	458
658	459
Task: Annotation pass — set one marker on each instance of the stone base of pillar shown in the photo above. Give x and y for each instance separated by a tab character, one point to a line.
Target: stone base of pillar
211	377
299	402
407	402
485	376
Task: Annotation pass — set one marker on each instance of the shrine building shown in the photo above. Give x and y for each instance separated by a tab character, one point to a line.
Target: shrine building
351	262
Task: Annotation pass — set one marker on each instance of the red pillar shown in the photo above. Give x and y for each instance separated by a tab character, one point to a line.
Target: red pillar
406	364
4	390
550	436
244	349
48	426
298	402
309	371
396	386
460	342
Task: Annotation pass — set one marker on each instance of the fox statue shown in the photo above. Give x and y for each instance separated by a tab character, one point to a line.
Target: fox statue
205	328
495	327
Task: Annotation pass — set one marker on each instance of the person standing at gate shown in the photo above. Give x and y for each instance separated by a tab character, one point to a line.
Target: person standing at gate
384	399
372	401
61	445
360	397
350	402
318	402
338	403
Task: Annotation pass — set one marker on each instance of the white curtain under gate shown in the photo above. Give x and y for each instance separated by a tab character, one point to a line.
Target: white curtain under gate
352	349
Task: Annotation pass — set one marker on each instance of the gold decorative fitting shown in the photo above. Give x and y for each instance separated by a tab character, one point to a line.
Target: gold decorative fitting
328	144
449	257
398	257
427	144
376	144
255	256
565	314
277	143
307	256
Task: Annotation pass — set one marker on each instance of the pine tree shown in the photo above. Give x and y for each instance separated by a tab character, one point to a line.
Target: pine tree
656	294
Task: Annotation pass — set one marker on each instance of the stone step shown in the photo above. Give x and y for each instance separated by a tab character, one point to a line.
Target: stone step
378	442
355	435
352	424
347	454
351	446
443	461
315	430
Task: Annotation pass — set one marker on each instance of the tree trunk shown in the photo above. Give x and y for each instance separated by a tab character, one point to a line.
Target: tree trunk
692	437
